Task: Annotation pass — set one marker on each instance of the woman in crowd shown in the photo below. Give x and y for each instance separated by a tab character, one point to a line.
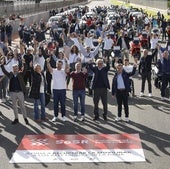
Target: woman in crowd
37	92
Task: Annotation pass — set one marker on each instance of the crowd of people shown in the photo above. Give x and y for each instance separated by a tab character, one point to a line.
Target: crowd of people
80	48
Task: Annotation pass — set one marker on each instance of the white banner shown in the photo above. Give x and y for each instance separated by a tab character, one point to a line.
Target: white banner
79	148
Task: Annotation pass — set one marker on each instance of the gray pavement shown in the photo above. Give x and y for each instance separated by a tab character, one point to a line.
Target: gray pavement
149	117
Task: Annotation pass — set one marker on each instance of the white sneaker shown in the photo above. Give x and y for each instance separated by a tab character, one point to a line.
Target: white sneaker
118	119
127	119
150	94
75	118
0	100
163	98
82	118
54	119
141	94
64	118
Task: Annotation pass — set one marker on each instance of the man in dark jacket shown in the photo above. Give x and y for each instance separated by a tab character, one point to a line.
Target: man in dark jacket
28	57
123	42
145	71
100	84
120	89
17	90
9	30
165	70
164	26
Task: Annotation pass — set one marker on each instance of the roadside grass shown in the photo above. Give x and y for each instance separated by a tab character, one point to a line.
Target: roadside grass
149	12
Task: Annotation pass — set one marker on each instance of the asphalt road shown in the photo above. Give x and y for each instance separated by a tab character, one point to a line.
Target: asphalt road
148	116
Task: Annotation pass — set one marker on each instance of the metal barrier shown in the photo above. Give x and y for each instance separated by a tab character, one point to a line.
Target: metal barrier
22	9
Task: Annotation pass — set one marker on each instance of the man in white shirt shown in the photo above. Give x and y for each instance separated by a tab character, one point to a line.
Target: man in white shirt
153	42
108	43
59	87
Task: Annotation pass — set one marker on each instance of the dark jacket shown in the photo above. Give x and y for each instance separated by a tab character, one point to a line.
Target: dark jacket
20	76
126	80
39	36
35	86
146	62
104	75
165	66
8	29
127	40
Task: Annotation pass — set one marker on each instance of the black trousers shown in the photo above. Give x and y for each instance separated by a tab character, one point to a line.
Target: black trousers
146	76
27	77
165	81
48	78
100	93
122	98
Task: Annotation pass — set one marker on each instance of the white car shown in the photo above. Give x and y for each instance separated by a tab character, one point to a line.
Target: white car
136	14
90	14
53	19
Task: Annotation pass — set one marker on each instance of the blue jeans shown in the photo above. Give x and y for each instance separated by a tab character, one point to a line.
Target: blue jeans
59	96
37	102
79	94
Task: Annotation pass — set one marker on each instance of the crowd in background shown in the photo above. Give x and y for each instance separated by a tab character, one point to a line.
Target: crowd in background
80	47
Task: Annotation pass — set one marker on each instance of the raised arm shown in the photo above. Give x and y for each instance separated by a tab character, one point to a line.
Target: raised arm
96	50
50	69
2	62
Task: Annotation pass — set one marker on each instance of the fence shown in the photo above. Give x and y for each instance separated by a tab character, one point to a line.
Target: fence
34	12
22	9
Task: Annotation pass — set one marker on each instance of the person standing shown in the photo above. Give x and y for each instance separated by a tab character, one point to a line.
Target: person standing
123	42
108	44
153	43
145	71
79	83
164	26
100	84
9	30
72	59
37	92
53	58
59	87
120	89
165	70
28	57
2	30
16	89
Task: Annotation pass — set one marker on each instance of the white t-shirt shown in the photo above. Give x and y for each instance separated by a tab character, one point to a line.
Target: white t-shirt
128	68
108	43
72	58
89	42
154	42
59	79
